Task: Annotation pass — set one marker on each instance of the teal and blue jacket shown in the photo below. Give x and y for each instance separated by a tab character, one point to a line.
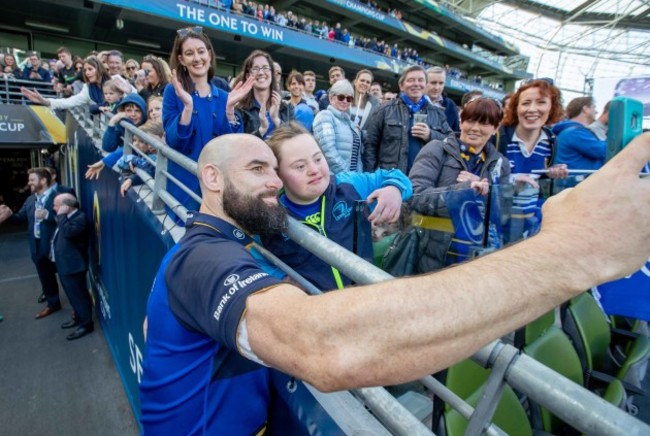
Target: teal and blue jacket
335	218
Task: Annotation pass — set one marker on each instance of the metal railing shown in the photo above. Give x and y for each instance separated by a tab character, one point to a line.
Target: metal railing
570	402
10	89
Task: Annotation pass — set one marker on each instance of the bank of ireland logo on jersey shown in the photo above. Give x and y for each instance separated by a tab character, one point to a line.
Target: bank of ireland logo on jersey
232	278
238	234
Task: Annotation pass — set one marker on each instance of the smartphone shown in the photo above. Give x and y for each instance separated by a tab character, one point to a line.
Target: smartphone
625	123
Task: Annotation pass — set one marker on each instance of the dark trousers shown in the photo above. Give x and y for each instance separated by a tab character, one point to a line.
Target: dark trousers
76	289
47	275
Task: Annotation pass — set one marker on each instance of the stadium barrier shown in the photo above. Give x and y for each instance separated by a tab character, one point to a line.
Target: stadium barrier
570	402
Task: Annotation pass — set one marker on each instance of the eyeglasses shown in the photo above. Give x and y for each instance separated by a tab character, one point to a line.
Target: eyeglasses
347	98
264	69
196	30
131	68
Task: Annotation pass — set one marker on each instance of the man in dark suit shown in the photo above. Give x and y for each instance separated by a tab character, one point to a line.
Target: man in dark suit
59	189
70	253
37	211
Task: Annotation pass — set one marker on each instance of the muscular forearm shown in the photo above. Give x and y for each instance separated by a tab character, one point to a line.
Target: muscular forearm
401	330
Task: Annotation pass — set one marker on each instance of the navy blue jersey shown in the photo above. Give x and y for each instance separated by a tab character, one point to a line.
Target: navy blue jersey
194	380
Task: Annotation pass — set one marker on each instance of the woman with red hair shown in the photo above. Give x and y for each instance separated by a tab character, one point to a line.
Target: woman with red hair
524	137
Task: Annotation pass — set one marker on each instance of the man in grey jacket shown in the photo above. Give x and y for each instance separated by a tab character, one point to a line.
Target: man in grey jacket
397	131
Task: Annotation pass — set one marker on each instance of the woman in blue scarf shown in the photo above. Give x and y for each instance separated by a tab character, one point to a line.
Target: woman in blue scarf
94	75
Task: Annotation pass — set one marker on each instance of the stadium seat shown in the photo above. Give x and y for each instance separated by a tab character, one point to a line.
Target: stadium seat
554	350
467	380
587	326
534	330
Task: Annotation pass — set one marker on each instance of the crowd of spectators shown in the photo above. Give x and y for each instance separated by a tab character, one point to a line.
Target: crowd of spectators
337	33
379	147
351	121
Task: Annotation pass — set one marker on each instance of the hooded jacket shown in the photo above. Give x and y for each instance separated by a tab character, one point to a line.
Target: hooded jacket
578	147
338	223
112	141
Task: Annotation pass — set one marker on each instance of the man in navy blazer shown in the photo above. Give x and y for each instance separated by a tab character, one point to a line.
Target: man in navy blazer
70	253
37	211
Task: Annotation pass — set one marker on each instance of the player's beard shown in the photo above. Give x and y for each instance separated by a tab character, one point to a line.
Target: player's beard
252	213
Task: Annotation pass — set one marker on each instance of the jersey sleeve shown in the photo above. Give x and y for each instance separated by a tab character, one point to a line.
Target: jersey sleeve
208	287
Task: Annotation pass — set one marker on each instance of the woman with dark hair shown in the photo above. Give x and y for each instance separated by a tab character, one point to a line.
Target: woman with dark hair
303	113
524	137
364	102
194	110
154	77
94	75
262	110
466	161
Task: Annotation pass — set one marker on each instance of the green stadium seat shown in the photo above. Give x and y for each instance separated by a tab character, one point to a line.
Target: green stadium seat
555	350
467	380
588	328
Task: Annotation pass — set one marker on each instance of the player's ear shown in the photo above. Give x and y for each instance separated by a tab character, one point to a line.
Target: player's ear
212	178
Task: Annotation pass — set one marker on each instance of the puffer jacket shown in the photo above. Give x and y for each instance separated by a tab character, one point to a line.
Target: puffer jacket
333	131
386	143
436	168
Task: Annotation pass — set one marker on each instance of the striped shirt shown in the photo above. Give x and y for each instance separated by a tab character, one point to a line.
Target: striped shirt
524	161
526	203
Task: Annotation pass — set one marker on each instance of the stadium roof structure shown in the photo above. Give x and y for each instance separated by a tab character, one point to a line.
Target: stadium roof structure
572	41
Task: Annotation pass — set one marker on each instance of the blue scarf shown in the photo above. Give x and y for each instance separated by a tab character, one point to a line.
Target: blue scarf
413	107
96	94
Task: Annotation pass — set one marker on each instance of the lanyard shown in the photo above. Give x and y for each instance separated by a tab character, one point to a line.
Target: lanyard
318	222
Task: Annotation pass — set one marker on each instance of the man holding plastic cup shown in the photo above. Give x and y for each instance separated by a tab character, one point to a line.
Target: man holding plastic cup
397	131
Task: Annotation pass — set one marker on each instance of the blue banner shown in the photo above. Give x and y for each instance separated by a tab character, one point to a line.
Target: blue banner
629	296
228	22
127	246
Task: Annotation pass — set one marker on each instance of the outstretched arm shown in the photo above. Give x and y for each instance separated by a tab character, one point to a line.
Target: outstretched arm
401	330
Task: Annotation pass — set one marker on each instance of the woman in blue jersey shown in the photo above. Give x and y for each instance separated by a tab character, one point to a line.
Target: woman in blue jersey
194	110
94	75
326	203
524	137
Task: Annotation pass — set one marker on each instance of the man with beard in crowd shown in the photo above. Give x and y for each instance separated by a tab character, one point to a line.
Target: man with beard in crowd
39	214
217	320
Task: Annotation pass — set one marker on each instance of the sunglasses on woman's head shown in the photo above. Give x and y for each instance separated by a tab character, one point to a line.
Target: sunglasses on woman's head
347	98
196	30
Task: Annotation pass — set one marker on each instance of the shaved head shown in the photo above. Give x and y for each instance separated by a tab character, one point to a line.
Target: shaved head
239	182
221	151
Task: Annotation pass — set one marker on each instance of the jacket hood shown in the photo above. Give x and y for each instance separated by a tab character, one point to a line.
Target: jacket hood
563	125
138	101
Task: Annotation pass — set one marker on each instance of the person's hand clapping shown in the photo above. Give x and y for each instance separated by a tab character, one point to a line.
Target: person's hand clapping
181	93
